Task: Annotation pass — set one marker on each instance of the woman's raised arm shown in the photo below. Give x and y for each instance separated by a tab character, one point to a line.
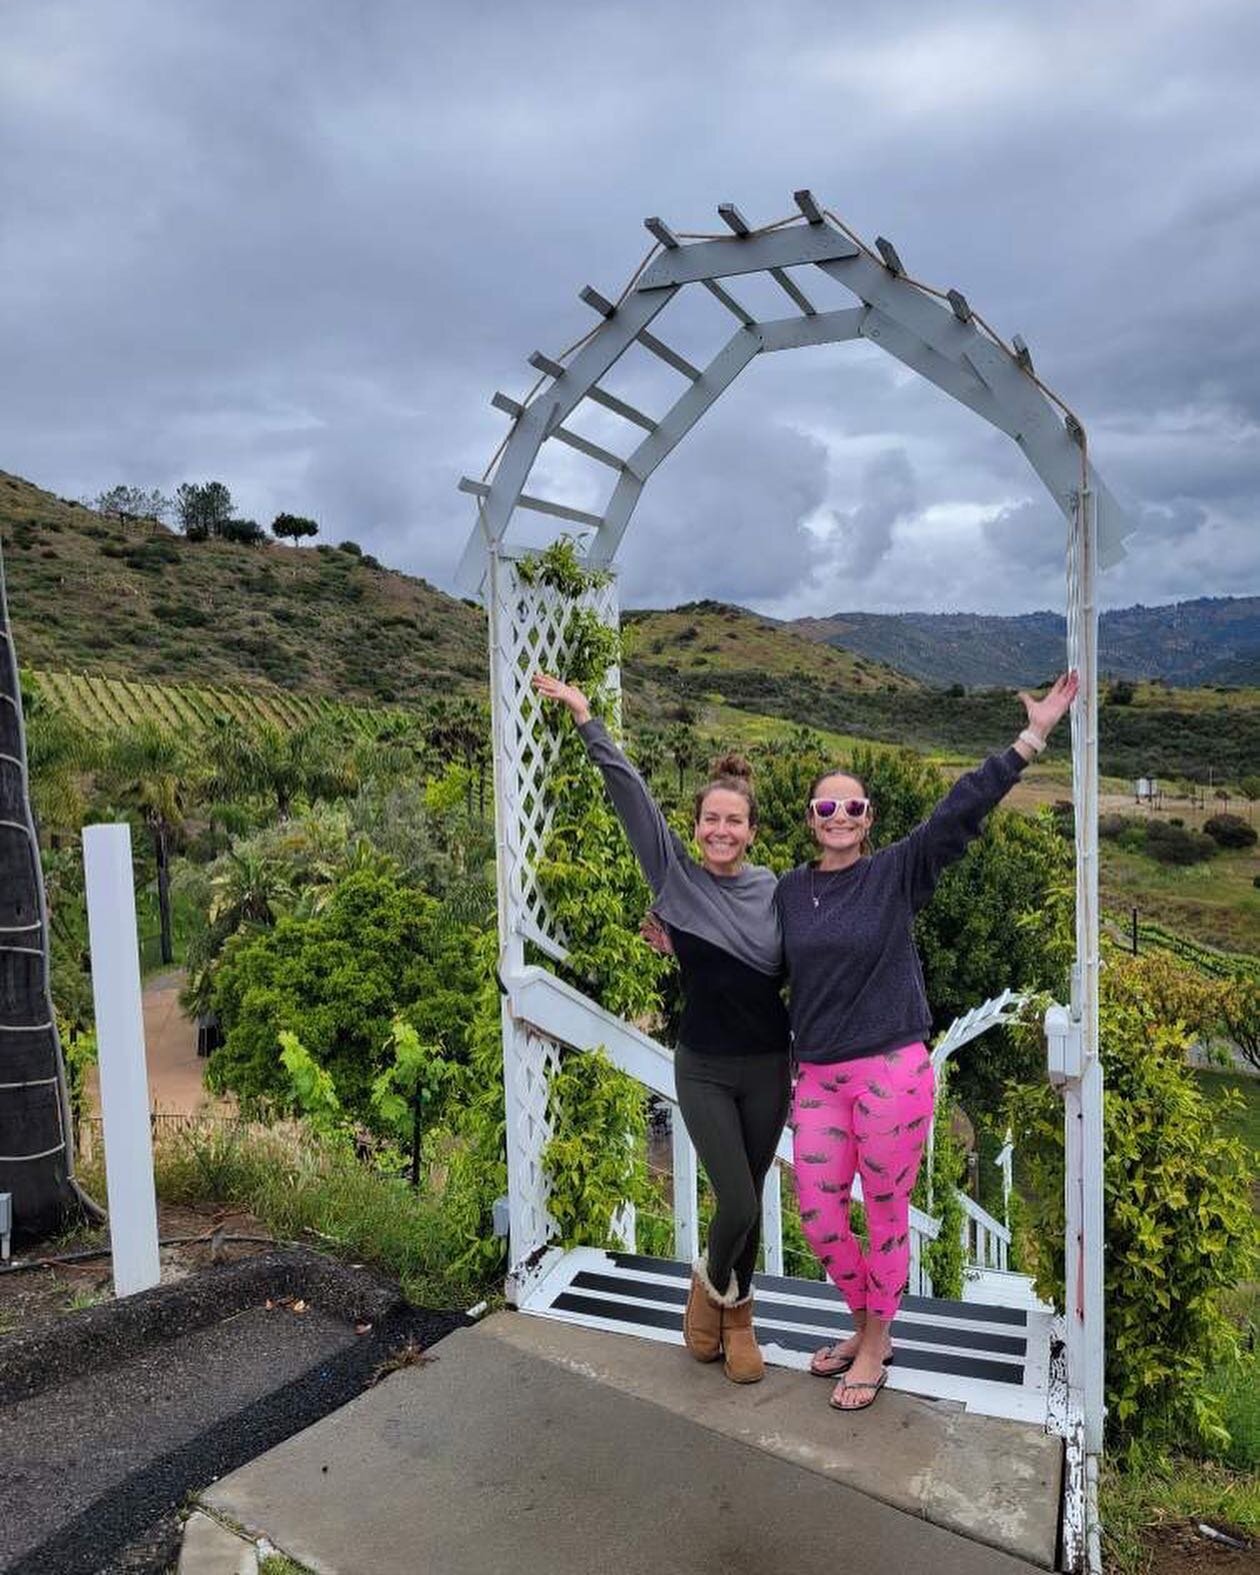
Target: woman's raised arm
655	846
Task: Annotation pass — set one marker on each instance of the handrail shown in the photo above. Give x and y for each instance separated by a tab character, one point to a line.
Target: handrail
561	1012
983	1218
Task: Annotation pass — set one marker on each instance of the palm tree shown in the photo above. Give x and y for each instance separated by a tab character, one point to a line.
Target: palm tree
152	771
59	754
36	1144
279	764
684	749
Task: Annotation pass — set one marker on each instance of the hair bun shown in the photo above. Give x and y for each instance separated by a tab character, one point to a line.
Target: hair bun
732	766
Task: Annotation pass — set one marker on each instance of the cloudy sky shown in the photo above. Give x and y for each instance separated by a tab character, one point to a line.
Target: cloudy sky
296	245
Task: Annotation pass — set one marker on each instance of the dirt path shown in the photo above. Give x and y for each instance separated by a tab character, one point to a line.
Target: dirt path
175	1069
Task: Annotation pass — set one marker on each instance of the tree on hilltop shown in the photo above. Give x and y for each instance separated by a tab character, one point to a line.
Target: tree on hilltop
294	526
132	503
203	510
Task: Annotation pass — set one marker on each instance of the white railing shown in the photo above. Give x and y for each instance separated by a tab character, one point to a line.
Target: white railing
544	1006
986	1242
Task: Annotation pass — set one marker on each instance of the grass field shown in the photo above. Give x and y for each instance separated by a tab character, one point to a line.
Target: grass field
1213	902
1247	1123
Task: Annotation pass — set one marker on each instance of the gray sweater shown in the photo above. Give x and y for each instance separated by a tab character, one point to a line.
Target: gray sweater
725	928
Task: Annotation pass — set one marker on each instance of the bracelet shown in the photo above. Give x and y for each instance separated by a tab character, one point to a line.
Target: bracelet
1033	740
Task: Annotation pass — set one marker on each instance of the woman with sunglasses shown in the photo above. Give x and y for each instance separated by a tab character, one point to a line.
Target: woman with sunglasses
718	917
864	1095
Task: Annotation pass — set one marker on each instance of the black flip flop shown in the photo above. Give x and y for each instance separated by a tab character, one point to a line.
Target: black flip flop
865	1404
838	1372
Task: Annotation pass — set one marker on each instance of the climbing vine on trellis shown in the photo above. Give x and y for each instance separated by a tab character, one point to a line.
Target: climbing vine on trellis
597	896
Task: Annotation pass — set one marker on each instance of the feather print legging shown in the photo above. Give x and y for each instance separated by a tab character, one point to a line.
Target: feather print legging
869	1116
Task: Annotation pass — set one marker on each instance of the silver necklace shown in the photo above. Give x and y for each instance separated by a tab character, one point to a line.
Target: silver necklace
814	896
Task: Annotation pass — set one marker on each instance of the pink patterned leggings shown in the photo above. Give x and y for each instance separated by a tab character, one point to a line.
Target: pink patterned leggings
870	1116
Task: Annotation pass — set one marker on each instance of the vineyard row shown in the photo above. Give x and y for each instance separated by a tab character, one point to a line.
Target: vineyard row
105	704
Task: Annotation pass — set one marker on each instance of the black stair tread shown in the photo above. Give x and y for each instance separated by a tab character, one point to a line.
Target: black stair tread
666	1318
829	1321
824	1291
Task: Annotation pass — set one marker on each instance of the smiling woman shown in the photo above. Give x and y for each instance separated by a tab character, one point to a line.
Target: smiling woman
718	917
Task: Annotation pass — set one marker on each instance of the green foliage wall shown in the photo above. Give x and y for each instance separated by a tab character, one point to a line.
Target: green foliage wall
1180	1231
377	949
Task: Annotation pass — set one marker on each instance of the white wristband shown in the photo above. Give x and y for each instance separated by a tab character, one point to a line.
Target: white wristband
1033	740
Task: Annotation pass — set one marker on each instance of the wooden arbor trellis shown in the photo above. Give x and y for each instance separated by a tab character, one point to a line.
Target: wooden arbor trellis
938	335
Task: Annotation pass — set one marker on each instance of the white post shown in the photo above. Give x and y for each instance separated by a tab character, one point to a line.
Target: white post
1085	760
772	1222
686	1188
111	905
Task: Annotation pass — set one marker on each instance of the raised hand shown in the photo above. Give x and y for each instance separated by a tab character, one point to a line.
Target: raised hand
656	935
568	695
1043	714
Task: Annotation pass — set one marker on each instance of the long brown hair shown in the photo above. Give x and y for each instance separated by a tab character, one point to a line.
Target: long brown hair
730	774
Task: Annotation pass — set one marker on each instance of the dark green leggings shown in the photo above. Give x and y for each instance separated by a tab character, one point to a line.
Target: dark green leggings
734	1107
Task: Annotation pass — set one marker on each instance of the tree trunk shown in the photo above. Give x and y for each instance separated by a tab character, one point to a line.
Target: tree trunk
164	892
36	1145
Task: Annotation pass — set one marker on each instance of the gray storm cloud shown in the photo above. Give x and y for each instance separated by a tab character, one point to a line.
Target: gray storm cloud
298	246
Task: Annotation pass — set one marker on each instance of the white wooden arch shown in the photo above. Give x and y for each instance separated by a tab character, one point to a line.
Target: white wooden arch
938	335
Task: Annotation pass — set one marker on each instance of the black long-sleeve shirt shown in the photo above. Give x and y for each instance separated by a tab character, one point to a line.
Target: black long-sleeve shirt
856	978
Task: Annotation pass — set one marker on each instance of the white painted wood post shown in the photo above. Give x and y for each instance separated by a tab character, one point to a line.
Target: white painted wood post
111	905
772	1222
686	1191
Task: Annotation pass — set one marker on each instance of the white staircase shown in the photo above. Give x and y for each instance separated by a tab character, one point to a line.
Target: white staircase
990	1360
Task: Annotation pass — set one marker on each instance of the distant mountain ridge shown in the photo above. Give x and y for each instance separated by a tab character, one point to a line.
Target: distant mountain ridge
1210	640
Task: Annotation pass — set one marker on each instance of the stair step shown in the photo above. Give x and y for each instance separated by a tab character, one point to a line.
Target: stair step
990	1359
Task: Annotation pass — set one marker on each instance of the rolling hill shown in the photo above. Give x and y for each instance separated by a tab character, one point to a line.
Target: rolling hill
1212	640
137	601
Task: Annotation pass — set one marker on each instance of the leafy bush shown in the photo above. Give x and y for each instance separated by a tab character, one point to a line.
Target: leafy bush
246	533
1230	831
1175	845
1180	1231
595	1154
376	950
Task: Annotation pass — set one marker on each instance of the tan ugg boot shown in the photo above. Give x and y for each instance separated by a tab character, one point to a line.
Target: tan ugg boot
744	1363
702	1321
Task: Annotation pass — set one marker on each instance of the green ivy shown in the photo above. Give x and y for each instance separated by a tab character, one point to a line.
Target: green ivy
1180	1231
597	895
944	1258
593	1157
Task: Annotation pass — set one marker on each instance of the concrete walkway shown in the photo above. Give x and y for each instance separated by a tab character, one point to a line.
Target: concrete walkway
530	1446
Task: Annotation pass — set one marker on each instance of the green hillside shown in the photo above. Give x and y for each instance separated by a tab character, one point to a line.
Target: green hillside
701	638
137	601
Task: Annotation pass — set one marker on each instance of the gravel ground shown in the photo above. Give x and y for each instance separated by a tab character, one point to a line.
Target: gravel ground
111	1416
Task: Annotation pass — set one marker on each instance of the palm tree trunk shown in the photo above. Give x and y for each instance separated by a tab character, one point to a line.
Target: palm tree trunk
164	891
36	1141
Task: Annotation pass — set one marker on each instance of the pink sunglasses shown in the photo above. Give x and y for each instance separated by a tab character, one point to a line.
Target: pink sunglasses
829	808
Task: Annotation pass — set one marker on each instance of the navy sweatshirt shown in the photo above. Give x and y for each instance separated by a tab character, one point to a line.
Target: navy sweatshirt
856	979
725	928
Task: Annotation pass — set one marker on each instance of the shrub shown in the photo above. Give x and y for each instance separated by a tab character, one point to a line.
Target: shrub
352	547
1175	845
1230	831
1110	825
246	533
1180	1231
377	949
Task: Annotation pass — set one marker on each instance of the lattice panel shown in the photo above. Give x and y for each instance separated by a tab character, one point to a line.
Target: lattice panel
528	1066
528	626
